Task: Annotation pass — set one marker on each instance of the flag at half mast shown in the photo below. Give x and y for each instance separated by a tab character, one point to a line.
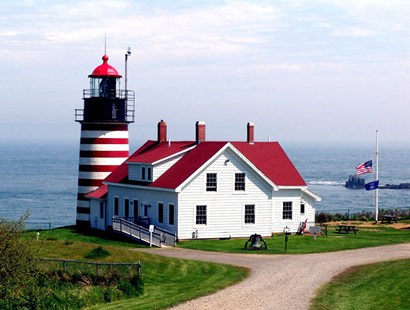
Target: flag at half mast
364	168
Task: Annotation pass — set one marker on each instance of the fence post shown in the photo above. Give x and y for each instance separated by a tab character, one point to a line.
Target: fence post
139	268
96	268
65	266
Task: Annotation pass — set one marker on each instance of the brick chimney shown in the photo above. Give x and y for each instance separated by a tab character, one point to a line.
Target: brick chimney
250	133
200	132
162	131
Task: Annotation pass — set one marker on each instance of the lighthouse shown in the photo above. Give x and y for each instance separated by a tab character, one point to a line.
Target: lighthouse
104	120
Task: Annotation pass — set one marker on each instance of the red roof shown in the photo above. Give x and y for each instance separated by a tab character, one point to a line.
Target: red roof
268	157
105	70
272	161
99	193
152	151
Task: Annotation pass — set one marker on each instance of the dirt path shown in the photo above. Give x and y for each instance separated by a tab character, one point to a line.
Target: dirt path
279	281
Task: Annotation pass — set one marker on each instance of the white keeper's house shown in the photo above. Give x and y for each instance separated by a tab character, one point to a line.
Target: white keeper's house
206	189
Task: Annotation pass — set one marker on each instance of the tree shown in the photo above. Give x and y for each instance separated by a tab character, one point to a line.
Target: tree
18	268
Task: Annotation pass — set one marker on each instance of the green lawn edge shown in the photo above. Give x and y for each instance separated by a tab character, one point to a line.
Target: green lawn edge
374	286
307	244
167	281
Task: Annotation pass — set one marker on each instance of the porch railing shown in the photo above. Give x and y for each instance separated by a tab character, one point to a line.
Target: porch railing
128	227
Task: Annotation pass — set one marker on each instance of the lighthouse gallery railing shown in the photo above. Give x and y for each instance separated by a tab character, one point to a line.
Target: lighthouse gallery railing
128	95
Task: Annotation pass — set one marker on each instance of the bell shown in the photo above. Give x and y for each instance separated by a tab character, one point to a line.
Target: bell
256	241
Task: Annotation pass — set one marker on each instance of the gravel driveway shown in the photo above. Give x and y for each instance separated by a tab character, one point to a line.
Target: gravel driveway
279	281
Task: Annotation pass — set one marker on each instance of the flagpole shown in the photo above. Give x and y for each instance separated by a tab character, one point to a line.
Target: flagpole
376	199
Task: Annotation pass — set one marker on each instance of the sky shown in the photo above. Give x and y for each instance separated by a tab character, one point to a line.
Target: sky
331	71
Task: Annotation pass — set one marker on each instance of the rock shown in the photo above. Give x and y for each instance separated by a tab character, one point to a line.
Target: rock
395	186
355	182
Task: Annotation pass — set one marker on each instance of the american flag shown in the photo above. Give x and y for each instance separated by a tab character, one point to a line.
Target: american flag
364	168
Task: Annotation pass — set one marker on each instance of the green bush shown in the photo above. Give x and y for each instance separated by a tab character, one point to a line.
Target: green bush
132	287
98	252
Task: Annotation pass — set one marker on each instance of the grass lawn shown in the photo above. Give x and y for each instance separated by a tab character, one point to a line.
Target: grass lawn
171	281
376	286
167	281
303	244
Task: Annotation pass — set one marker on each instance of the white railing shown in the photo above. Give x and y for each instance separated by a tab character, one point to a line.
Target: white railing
158	236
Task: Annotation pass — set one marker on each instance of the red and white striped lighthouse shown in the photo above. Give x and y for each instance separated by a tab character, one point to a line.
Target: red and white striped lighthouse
104	132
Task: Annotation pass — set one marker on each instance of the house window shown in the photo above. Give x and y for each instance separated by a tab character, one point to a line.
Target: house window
142	173
126	207
201	215
211	182
101	209
171	216
160	212
302	208
149	173
116	205
135	209
239	181
287	210
249	214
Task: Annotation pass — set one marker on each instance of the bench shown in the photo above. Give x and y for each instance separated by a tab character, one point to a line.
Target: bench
389	219
345	229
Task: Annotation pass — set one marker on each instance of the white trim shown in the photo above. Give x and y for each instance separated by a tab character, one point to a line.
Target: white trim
311	194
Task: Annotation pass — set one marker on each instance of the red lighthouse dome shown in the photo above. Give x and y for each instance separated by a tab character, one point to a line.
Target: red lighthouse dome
105	70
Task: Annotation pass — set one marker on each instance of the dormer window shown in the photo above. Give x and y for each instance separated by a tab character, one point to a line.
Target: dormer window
146	173
143	173
149	173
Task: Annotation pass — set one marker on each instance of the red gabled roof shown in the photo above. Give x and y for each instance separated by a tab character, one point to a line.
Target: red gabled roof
187	165
272	161
153	151
267	157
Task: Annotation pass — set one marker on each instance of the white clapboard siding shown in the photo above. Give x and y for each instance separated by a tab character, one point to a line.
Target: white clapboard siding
144	197
225	208
160	168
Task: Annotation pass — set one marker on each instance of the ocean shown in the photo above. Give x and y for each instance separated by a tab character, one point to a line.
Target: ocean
41	179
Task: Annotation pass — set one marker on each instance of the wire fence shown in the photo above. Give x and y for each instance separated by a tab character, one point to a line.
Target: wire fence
98	268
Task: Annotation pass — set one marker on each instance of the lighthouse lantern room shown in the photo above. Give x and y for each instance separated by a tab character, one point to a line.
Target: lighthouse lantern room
104	120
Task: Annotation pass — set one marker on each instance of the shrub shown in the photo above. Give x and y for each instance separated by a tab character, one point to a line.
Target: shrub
18	268
98	252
